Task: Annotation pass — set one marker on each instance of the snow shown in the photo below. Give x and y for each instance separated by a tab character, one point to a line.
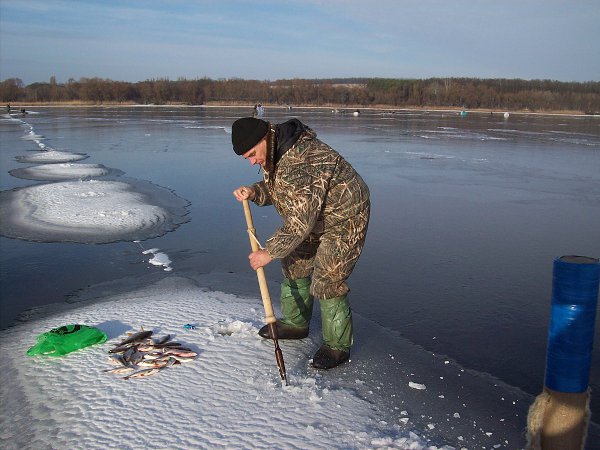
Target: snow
64	171
230	396
79	211
52	156
159	258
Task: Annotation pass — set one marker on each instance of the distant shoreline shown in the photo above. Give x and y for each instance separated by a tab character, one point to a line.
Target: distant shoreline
16	108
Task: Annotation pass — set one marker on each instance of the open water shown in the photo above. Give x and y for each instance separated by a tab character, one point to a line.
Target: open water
468	214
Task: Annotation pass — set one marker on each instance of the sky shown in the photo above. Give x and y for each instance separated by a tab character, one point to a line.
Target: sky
268	40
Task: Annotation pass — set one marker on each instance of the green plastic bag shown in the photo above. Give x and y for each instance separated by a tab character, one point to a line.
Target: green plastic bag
66	339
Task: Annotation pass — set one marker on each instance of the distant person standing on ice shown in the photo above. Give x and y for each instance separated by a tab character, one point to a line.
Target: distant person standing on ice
325	208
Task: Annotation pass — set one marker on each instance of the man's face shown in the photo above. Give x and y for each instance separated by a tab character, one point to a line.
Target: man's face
258	153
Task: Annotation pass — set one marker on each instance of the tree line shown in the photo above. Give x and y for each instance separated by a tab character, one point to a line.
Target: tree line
469	93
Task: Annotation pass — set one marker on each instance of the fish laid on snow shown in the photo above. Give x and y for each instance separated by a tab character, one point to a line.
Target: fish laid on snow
129	353
116	359
150	363
142	373
158	363
136	337
183	359
121	348
182	353
136	357
162	340
153	355
122	369
140	351
170	362
168	345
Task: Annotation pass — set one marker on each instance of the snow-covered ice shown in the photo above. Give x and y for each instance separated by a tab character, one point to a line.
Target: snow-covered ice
88	210
158	258
229	397
63	171
81	211
52	156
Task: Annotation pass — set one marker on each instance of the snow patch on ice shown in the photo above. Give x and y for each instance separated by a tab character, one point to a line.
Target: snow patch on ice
51	156
159	259
81	211
86	211
214	401
59	172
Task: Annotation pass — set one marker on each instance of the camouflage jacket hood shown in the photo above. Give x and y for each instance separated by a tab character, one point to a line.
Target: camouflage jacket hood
312	187
281	138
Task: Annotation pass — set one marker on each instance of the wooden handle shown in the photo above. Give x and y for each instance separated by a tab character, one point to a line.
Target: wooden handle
260	272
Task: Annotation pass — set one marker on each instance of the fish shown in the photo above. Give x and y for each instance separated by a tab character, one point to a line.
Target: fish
140	355
149	363
182	353
129	353
153	346
167	345
136	337
183	359
167	358
158	363
146	348
121	369
162	358
175	350
162	340
142	373
171	361
120	348
153	355
136	358
116	359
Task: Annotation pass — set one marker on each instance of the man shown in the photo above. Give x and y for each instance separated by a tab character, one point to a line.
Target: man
325	208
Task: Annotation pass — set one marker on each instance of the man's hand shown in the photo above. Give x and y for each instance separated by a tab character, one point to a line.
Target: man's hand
244	193
259	258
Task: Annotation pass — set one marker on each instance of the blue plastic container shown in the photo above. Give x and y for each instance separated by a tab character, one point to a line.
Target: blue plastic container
571	331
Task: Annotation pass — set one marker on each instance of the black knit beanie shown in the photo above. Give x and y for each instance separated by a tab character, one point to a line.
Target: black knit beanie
246	133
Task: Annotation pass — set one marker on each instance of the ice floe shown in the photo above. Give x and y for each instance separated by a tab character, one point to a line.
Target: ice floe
51	156
83	211
62	171
158	258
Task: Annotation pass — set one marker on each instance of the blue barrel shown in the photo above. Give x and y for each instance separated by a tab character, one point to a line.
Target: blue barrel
571	332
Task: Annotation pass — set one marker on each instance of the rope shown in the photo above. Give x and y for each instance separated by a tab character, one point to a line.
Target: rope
253	236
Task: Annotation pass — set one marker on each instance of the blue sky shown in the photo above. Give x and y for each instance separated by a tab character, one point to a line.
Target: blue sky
270	40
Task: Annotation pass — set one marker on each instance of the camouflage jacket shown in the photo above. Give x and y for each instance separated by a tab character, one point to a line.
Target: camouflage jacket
313	188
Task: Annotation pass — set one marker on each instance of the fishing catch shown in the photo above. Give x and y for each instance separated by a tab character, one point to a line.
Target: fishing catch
141	356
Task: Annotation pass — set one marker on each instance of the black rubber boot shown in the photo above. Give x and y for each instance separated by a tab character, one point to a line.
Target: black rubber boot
328	358
284	331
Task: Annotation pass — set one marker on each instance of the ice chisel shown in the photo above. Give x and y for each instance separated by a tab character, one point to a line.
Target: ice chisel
264	292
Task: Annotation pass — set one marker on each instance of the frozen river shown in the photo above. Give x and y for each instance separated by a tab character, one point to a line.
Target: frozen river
468	214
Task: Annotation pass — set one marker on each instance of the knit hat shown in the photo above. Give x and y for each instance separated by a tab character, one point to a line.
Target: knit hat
246	133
